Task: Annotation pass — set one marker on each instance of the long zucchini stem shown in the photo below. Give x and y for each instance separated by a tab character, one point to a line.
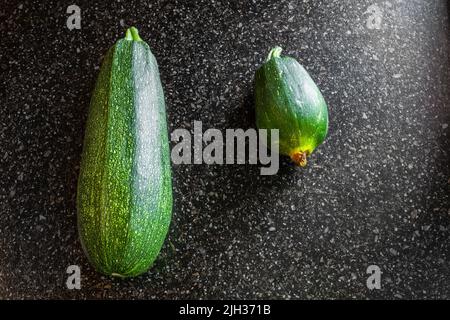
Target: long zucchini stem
132	34
274	53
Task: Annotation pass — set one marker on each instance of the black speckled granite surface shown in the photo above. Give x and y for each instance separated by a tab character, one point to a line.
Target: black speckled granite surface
377	192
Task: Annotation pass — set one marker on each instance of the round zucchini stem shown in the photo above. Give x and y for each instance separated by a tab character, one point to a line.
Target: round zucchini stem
132	34
274	53
299	158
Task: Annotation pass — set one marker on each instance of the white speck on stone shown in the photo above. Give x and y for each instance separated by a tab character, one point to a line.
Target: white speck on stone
397	76
445	126
271	229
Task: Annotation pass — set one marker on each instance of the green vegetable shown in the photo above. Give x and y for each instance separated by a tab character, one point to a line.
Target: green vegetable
287	99
124	194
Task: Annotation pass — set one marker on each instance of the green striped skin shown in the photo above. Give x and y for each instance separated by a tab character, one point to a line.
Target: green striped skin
124	196
286	98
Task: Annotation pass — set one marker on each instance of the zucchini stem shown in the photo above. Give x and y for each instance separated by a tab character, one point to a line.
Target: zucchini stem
299	158
118	275
274	53
132	34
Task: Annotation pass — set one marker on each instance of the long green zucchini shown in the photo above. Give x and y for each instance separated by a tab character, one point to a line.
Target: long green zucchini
124	196
287	99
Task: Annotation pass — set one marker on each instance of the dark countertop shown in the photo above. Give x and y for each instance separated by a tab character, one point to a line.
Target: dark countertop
377	192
